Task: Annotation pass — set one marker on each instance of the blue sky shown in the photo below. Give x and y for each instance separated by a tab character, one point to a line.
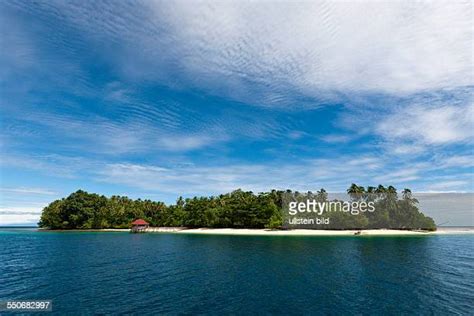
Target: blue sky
156	99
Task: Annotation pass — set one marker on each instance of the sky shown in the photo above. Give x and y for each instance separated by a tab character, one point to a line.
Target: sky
157	99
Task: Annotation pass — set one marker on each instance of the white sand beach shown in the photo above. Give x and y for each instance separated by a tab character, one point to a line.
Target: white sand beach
300	232
292	232
305	232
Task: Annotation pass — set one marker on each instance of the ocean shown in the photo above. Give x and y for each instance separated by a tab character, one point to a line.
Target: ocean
123	273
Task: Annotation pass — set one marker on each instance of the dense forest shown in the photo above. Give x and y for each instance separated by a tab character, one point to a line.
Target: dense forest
238	209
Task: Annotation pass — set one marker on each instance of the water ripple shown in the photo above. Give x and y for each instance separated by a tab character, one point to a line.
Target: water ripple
175	274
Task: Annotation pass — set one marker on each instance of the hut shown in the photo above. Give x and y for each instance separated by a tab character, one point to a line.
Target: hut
139	226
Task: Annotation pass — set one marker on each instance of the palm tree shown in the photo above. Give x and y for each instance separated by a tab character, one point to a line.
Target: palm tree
392	192
355	191
321	195
391	189
371	193
371	189
380	191
407	196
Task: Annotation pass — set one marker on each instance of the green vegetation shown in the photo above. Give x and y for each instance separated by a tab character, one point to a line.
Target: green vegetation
238	209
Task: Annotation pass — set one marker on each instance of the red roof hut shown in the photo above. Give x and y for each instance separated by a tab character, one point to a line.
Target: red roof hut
139	225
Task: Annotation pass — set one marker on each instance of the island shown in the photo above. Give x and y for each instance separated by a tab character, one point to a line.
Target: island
239	209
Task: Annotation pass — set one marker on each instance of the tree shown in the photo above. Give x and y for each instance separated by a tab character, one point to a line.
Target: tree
408	196
238	209
356	192
275	221
321	195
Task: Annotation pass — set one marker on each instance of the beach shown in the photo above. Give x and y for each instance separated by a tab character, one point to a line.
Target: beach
290	232
295	232
310	232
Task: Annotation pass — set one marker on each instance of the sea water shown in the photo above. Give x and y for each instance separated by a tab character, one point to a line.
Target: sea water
113	272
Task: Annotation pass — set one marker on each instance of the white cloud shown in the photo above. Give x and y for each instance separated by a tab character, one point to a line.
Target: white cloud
57	165
20	214
15	219
24	190
190	179
430	125
205	178
402	175
445	186
333	174
184	143
22	210
103	135
23	205
332	138
459	161
406	149
278	53
317	47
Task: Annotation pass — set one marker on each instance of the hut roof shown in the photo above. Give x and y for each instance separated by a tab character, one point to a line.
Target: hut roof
139	222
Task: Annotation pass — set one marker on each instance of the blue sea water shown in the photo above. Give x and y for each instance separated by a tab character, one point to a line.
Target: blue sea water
122	273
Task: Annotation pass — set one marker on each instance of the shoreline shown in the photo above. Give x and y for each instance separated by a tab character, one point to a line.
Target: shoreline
293	232
310	232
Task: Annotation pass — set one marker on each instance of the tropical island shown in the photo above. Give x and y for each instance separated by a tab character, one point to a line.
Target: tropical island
238	210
